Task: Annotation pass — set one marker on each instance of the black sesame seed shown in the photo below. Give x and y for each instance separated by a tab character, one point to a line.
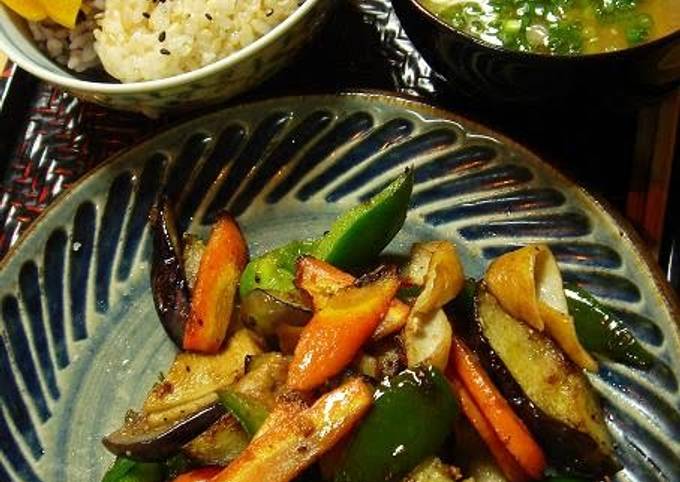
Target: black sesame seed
165	51
146	15
161	37
208	16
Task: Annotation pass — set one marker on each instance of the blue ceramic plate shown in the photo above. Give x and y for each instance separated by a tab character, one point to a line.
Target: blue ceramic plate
80	342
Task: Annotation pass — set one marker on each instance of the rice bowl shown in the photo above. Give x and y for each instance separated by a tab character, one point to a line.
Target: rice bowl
218	81
140	40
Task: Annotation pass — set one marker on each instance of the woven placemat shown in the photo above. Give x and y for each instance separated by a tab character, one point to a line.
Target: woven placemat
62	139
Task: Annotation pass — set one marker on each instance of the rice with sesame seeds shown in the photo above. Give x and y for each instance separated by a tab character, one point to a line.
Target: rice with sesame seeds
138	40
179	36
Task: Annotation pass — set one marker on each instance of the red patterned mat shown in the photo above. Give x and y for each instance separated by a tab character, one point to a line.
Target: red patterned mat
63	138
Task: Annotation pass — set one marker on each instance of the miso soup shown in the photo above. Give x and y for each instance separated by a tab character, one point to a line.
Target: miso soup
564	27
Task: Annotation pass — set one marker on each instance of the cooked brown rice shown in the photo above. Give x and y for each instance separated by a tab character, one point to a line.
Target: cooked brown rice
137	40
72	48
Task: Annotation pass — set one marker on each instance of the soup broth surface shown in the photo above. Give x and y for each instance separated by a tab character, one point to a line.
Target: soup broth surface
565	27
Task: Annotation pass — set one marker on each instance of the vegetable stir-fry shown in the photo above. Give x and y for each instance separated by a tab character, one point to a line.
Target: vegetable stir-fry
315	361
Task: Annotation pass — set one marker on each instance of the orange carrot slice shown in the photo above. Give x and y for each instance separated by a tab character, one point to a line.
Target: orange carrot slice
321	280
337	331
204	474
282	451
289	337
506	424
212	300
505	460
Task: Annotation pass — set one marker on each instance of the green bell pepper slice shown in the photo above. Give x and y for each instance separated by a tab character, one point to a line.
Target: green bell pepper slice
126	470
602	332
356	238
411	418
250	413
274	270
360	234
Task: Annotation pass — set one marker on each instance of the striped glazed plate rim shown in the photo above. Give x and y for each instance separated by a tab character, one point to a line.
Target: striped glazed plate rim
628	232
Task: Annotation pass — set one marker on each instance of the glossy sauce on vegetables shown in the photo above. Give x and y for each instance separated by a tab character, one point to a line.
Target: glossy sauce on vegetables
564	27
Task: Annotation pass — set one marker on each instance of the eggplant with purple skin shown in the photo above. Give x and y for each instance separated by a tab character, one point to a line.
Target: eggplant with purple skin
171	294
264	311
546	390
183	405
143	443
264	382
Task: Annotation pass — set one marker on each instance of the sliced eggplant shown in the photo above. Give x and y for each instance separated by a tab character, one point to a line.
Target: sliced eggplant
264	381
139	441
194	377
549	393
192	254
220	444
169	286
264	311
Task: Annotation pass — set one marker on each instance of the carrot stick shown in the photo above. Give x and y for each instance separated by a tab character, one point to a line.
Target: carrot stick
508	426
204	474
212	300
321	280
289	336
337	331
282	413
283	451
505	460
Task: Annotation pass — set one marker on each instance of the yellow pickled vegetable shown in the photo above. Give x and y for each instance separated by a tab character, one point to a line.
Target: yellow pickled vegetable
29	9
64	12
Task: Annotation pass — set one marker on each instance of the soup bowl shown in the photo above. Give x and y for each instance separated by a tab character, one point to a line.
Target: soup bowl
213	83
485	71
